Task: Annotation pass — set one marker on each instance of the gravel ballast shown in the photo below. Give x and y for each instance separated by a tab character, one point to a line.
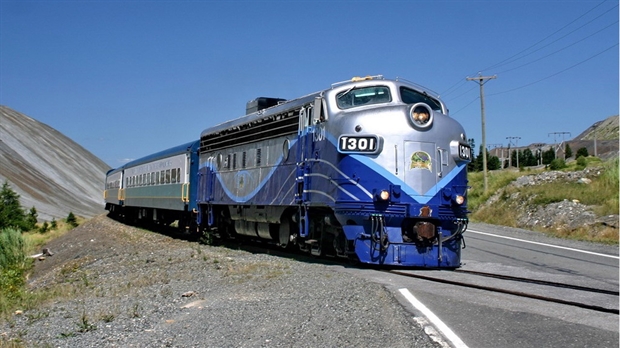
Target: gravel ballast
119	286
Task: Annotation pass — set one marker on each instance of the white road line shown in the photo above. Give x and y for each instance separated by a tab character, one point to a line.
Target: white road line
445	330
544	244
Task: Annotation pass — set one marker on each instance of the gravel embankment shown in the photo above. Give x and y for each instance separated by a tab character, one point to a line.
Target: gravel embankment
118	286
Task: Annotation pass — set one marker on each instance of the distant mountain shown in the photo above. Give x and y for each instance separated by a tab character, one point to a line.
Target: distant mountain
601	139
48	170
603	130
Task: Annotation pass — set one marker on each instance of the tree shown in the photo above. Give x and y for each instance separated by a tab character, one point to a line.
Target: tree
582	152
527	158
478	165
71	220
567	151
513	158
471	166
494	163
548	156
11	213
31	219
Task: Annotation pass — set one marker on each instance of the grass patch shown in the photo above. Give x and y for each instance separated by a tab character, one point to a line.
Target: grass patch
605	235
36	239
496	180
15	263
601	196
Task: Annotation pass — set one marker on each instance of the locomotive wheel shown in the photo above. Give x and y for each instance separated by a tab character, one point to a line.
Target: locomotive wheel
284	234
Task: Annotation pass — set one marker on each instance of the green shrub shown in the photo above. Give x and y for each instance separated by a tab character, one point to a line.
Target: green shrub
12	249
44	228
581	162
13	266
557	164
582	152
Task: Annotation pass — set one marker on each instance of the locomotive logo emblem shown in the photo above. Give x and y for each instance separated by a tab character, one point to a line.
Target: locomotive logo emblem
420	160
240	183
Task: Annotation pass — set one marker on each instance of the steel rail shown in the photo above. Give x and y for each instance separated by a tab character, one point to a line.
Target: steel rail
540	282
510	292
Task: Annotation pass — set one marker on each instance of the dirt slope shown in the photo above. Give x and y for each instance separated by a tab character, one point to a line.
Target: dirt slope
48	170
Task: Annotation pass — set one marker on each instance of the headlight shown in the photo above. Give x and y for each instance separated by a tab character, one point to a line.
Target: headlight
421	115
384	195
381	196
458	199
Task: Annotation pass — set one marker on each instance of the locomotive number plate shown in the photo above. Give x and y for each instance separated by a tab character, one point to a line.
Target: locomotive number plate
357	144
465	152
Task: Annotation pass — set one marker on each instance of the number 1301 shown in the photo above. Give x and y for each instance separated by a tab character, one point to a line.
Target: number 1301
357	143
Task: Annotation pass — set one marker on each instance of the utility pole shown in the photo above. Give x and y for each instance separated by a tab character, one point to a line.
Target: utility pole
481	81
539	146
516	145
595	131
560	145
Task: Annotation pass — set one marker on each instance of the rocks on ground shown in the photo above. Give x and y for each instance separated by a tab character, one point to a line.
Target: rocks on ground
118	286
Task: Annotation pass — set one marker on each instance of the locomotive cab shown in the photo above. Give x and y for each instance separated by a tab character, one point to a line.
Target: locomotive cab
400	142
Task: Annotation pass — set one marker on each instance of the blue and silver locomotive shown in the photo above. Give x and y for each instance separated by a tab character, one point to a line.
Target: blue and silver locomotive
370	169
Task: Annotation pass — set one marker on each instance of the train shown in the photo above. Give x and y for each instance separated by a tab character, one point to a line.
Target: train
371	169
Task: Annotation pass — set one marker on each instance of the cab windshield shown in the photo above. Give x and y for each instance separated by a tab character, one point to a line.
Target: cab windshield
363	96
410	96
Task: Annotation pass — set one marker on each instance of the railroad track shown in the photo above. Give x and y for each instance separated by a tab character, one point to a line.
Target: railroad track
505	290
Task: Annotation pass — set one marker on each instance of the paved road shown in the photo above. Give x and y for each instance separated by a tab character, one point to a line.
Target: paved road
478	318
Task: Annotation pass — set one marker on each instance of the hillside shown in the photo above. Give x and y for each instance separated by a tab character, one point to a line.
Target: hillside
48	170
601	138
603	130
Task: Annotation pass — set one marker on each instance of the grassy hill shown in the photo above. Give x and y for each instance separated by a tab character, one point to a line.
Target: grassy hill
585	210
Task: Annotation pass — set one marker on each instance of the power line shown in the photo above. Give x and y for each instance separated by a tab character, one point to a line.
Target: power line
454	86
537	81
557	73
558	39
561	49
459	84
462	94
550	35
466	105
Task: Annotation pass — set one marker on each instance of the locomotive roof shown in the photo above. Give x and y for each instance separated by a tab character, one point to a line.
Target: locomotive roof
261	114
293	104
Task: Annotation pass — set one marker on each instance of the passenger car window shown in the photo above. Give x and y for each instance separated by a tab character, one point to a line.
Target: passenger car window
363	96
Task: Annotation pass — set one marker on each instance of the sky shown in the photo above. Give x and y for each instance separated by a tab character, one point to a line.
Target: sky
125	79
